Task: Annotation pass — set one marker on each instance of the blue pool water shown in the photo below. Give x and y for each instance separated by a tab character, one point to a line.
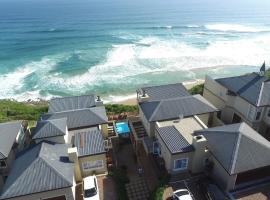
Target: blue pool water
122	128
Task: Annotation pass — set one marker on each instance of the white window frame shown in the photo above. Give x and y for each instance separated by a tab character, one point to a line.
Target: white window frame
182	168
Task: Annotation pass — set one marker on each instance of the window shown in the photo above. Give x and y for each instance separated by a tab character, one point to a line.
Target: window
258	116
219	114
92	165
3	164
180	164
268	112
156	149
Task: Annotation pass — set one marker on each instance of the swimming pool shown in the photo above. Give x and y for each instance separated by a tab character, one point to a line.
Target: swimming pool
122	128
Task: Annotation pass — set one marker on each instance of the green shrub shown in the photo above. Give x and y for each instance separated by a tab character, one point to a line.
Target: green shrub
120	108
267	73
157	194
13	110
120	179
197	89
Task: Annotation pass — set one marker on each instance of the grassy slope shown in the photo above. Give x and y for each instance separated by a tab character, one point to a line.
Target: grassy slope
12	110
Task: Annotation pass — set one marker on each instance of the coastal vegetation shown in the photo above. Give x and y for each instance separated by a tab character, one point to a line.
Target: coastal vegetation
11	110
119	176
267	73
197	89
120	108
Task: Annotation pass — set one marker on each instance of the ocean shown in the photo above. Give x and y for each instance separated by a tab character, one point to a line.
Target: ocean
51	48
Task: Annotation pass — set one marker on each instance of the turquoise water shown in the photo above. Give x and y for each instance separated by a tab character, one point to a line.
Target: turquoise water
111	47
122	128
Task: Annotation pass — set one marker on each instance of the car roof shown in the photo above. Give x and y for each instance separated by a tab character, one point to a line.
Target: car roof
181	190
89	182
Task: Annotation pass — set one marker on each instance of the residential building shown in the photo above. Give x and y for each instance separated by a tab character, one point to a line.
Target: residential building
243	98
42	172
170	116
91	152
82	119
161	92
10	139
177	145
237	155
82	112
74	103
54	130
175	108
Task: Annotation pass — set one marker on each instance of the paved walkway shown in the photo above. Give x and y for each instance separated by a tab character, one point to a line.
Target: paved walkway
137	190
106	188
149	172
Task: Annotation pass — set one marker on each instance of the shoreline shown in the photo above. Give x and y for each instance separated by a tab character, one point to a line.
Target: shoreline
133	100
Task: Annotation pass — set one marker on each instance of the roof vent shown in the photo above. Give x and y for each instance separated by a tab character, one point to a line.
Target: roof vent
181	116
143	93
99	102
142	96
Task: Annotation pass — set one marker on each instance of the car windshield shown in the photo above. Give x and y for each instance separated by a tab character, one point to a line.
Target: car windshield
182	193
90	192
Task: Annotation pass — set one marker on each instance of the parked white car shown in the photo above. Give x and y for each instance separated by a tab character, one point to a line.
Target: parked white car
182	194
90	188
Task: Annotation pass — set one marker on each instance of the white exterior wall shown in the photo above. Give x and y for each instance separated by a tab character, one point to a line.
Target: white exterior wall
49	194
220	175
169	158
145	122
216	89
265	94
93	158
204	118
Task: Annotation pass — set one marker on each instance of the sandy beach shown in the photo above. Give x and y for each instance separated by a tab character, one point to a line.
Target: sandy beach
133	100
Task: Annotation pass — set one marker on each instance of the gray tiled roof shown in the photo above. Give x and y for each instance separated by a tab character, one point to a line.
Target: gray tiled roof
173	108
72	103
81	118
8	134
174	141
45	167
237	147
247	86
50	128
89	142
157	93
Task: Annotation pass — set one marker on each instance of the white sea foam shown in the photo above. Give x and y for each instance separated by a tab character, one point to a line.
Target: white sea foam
235	28
193	26
126	64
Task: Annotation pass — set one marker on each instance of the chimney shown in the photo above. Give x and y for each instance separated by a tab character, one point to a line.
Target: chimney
73	157
199	143
143	96
99	102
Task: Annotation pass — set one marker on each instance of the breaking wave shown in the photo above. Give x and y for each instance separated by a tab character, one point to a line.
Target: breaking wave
236	28
127	66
